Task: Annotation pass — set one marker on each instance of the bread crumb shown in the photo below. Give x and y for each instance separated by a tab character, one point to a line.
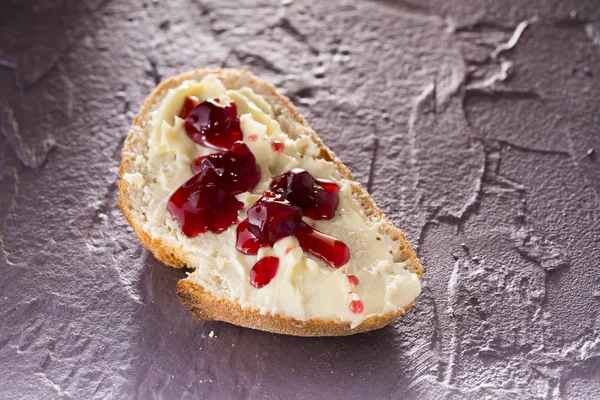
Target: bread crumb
211	334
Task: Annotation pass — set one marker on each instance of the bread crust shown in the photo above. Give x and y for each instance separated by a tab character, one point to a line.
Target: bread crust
204	304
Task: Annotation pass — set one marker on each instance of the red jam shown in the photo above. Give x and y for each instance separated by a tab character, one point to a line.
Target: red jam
263	271
333	251
277	146
357	306
274	217
318	198
236	168
206	202
211	124
246	242
352	279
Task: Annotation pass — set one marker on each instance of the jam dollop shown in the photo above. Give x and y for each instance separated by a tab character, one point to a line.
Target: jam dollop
206	202
236	168
318	198
272	218
211	124
278	214
263	271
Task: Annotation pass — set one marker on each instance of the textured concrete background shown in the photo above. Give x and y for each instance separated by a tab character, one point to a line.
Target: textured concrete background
475	125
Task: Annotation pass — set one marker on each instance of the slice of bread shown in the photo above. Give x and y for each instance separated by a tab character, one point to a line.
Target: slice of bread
204	303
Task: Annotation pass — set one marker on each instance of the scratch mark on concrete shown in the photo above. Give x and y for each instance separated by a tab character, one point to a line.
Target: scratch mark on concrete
255	60
14	67
454	342
153	72
487	85
10	209
423	234
502	75
408	6
424	103
9	127
509	94
372	166
285	24
514	39
526	149
482	25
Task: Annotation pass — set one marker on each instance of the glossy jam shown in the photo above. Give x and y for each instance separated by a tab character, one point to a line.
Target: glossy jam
273	217
318	198
211	124
236	168
199	206
357	306
331	250
352	279
277	146
263	271
206	202
246	242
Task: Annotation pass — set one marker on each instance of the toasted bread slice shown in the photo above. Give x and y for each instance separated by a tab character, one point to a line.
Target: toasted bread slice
210	304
